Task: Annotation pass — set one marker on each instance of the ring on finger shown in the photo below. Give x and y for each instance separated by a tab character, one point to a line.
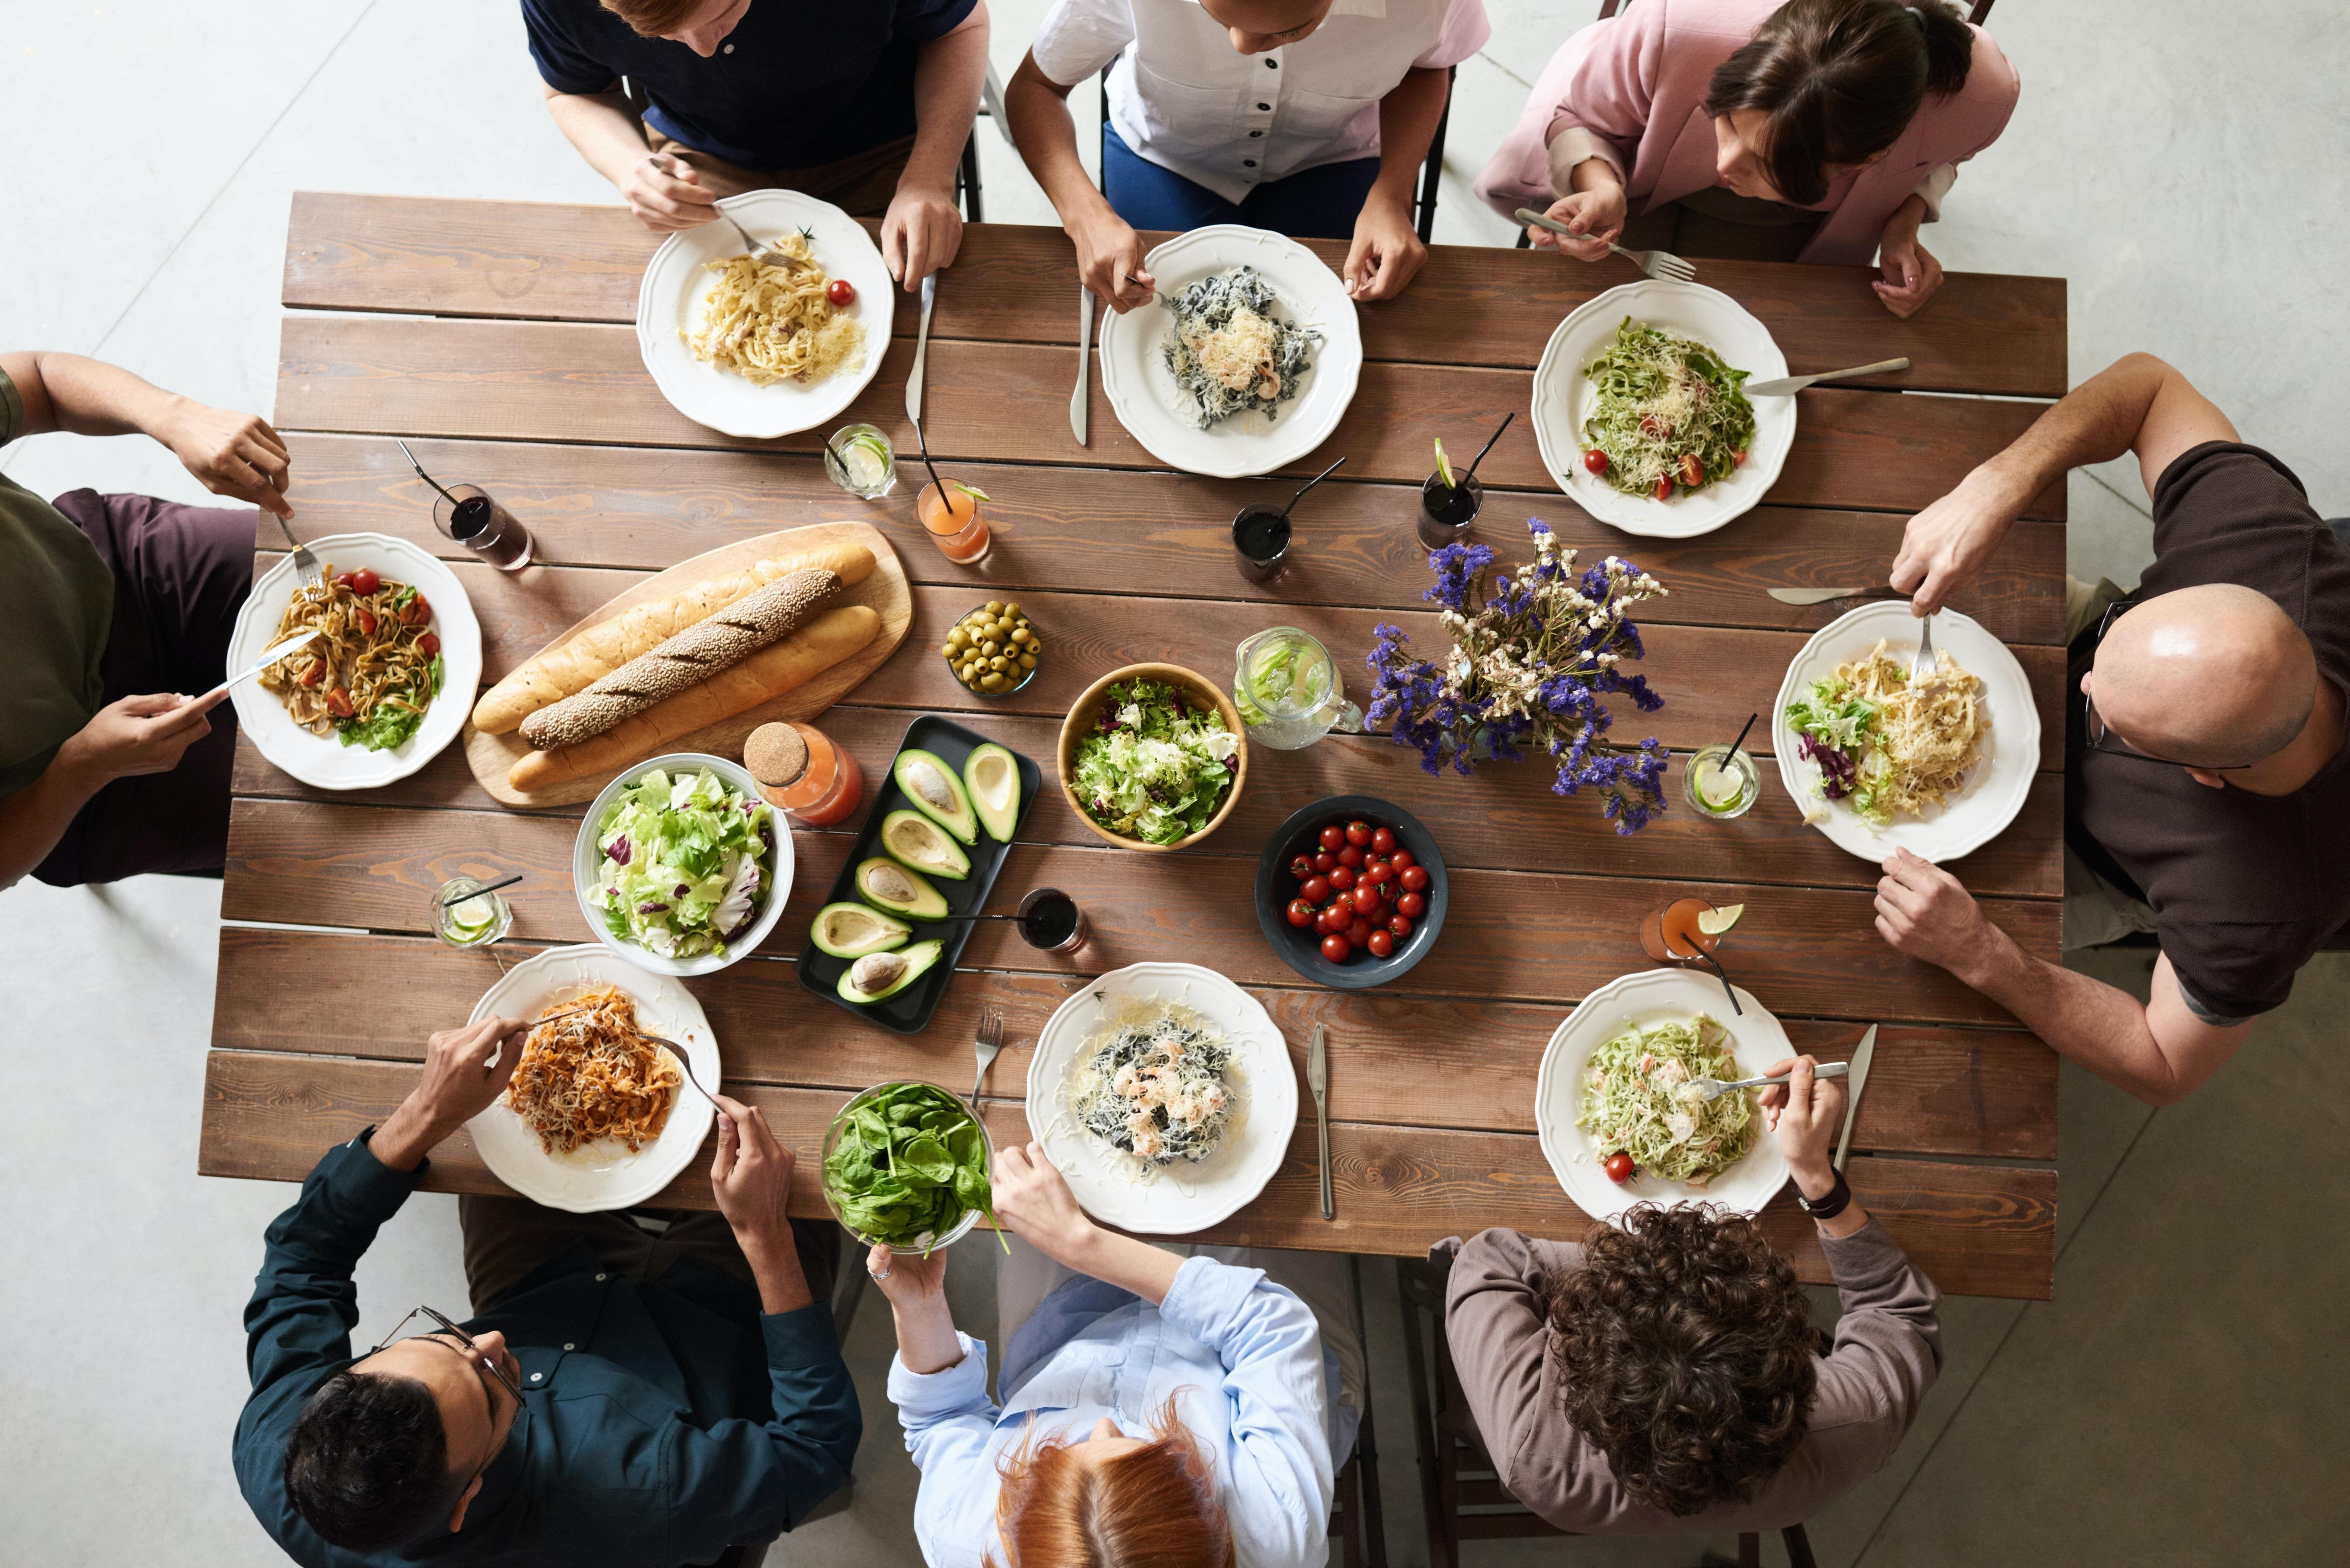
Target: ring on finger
880	1274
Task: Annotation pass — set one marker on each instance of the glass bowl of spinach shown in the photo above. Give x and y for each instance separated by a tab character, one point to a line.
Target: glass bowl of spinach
906	1166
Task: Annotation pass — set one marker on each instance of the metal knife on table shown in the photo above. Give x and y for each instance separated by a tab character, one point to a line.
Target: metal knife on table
1854	1082
1318	1078
1085	358
1822	596
922	351
1788	385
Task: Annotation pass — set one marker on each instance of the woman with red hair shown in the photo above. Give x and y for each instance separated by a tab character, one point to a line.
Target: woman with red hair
1159	1410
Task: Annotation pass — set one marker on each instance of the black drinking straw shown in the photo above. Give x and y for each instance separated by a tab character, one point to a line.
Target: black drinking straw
1310	484
424	476
923	442
1488	446
1741	734
485	888
1715	964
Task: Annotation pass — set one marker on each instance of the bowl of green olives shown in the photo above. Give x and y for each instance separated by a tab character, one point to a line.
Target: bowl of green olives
993	649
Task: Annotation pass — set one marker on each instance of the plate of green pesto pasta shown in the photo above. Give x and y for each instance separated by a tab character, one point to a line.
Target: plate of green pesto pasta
1615	1080
1640	411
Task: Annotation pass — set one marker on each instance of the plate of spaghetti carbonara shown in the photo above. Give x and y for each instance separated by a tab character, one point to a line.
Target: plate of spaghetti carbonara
1164	1094
596	1116
764	349
1878	761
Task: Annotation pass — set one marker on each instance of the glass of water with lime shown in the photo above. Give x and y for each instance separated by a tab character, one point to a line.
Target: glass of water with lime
861	461
1721	782
465	917
1289	692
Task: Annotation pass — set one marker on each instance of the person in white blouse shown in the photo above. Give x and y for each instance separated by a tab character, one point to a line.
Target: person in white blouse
1155	1406
1306	117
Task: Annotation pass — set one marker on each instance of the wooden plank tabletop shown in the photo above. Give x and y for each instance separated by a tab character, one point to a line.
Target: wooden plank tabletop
492	337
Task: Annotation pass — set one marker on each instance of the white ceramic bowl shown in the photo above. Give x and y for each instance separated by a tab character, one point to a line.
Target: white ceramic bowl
587	855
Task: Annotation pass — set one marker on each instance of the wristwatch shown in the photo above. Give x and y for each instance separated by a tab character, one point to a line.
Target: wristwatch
1831	1206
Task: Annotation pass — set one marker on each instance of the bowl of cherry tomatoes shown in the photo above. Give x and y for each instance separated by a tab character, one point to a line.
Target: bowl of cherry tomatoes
1350	892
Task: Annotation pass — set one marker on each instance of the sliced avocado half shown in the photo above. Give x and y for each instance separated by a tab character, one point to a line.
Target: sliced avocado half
935	791
913	840
885	885
992	777
888	973
852	930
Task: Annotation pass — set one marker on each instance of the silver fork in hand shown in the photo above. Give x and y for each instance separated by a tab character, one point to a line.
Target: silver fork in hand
988	1041
1656	264
305	564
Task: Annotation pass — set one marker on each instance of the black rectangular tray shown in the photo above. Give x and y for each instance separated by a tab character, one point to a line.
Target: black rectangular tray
909	1012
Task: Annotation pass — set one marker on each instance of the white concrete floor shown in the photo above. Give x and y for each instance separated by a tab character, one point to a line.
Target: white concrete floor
2179	1402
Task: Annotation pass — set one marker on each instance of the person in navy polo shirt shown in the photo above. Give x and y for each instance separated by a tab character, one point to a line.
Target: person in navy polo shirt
679	102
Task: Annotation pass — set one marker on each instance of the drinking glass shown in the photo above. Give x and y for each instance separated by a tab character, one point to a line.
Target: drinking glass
1261	536
470	515
861	460
1447	511
1721	784
1289	690
1669	932
951	512
473	922
1049	919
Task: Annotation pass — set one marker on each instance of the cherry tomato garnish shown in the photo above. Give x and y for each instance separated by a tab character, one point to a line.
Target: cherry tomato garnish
1383	841
344	578
1337	948
1664	488
1334	838
1301	913
1692	470
418	611
841	292
1595	461
339	703
1619	1167
1411	904
1401	858
315	672
1316	888
1369	903
1351	857
1381	944
1359	833
1301	867
1400	926
1378	872
1358	934
1325	862
1738	457
367	621
1414	878
1342	878
364	581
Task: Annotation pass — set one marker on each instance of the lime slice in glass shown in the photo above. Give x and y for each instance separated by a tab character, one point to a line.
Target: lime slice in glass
1717	922
472	916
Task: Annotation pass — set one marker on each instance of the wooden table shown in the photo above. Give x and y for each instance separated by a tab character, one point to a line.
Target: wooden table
496	338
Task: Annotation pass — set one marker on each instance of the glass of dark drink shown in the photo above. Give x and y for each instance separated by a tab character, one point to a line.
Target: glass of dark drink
1446	510
467	513
1051	920
1261	536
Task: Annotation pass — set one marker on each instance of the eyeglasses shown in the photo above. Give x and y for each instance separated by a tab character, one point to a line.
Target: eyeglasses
2100	737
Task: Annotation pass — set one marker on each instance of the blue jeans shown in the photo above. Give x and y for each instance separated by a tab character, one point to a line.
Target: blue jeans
1320	202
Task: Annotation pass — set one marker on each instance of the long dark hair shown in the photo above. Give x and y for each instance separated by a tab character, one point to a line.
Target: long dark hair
1839	80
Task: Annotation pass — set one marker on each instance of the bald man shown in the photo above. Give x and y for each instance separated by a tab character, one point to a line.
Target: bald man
2207	787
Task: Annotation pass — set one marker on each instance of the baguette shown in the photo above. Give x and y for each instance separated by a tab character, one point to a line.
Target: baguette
695	654
773	670
577	664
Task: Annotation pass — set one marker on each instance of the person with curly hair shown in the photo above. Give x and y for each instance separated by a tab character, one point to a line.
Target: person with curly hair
1667	1377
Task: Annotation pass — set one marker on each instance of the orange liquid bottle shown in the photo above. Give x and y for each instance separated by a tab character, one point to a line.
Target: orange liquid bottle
800	771
951	512
1670	935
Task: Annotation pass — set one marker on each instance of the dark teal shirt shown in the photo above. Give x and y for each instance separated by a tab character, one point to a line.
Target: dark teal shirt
660	1422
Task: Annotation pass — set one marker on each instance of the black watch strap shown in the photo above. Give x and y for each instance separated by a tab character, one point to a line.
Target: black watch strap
1827	1207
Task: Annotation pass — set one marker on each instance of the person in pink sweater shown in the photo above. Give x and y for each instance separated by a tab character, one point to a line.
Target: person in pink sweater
1816	130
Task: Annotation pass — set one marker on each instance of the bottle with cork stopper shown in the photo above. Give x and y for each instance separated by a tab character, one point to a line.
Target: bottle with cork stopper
800	771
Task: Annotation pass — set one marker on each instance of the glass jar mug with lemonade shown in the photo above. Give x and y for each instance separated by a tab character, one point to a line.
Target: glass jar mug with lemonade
1289	690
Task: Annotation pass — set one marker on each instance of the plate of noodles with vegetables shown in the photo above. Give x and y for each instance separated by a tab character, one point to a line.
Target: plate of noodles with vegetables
387	683
1164	1094
1612	1106
1939	767
1641	415
596	1116
763	349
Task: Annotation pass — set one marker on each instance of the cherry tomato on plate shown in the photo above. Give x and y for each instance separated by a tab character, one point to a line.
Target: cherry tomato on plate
1316	888
1414	878
343	578
1664	488
1377	871
1334	838
1692	470
1381	944
1342	878
1619	1166
1411	904
1368	902
1325	862
314	673
1358	934
1400	926
1301	867
1383	841
367	621
1337	948
364	581
1359	833
339	703
428	644
1738	457
1301	913
418	611
1402	859
1595	461
841	292
1351	857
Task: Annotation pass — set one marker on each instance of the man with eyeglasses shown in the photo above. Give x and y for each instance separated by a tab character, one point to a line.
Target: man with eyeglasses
2207	785
615	1401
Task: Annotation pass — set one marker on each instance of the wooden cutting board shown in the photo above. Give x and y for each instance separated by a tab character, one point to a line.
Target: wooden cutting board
490	756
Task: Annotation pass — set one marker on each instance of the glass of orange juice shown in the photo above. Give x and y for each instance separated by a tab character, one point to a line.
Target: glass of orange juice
950	510
1687	931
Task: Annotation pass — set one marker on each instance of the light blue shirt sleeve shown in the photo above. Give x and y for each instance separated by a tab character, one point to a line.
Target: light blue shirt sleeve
1282	1473
949	1419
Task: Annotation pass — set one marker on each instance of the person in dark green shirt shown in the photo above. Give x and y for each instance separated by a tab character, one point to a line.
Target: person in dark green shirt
585	1415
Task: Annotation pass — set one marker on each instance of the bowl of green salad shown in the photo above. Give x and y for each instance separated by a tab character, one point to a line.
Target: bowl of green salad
680	866
1153	757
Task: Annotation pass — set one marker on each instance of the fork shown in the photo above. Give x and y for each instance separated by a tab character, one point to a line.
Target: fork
1924	667
677	1055
305	564
1709	1089
988	1041
765	255
1656	264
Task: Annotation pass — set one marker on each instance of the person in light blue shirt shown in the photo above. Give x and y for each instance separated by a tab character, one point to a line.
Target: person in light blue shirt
1188	1402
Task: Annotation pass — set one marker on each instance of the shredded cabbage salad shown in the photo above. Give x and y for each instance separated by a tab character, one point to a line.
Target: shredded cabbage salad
1636	1098
684	863
1153	769
1660	398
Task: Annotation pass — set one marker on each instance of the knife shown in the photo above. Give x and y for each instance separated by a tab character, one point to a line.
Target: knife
269	656
1857	1080
1085	355
922	351
1822	596
1318	1078
1787	386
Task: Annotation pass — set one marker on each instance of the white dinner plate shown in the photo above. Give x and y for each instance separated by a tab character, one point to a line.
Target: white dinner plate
1995	788
323	761
1563	396
604	1174
1142	392
669	301
1184	1198
1646	997
587	860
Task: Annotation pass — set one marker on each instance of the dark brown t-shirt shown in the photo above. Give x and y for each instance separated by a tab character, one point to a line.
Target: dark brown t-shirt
2244	886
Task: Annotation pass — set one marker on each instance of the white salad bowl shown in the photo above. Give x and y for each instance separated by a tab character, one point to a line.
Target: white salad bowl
587	858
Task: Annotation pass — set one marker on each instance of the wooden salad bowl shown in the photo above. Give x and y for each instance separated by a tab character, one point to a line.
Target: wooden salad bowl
1086	712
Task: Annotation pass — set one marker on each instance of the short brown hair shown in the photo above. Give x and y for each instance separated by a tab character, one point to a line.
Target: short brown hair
1839	80
1687	1354
1152	1507
651	18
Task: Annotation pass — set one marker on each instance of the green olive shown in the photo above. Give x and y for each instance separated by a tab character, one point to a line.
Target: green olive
999	662
991	647
1027	662
995	607
1036	647
1026	639
991	681
1011	608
